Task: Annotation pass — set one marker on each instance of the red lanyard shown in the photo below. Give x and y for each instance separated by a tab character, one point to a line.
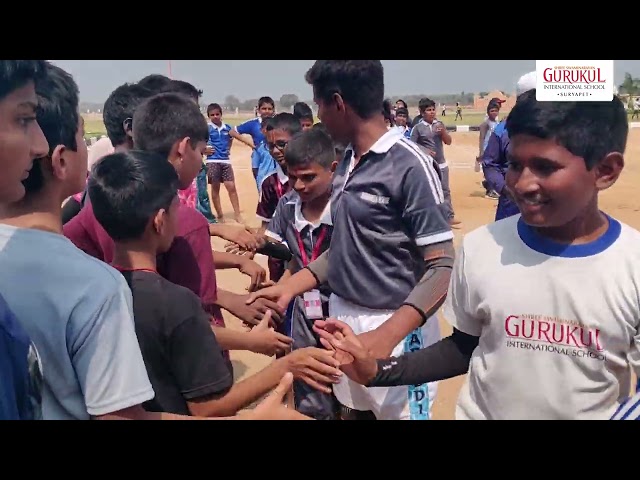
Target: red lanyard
315	253
121	269
279	188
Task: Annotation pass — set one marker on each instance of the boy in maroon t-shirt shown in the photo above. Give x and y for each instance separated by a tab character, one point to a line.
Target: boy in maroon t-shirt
189	262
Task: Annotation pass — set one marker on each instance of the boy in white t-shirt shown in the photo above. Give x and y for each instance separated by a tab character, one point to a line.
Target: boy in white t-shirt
553	331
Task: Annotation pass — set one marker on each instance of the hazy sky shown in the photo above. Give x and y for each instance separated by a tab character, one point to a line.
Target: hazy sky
254	78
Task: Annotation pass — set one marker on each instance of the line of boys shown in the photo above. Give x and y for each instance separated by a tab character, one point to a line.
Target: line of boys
78	311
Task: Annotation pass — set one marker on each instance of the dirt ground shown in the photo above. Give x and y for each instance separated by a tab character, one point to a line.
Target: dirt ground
622	201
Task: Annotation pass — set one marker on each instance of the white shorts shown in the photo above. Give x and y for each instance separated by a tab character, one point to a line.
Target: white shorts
414	402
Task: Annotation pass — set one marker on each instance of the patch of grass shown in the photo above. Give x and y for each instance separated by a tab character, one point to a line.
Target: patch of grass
94	127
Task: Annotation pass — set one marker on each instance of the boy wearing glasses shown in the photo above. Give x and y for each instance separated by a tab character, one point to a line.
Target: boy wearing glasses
274	186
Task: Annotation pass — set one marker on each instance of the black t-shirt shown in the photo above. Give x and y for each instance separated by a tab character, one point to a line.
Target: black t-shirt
180	351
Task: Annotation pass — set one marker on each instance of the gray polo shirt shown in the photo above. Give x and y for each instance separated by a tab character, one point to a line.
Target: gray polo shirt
386	207
424	134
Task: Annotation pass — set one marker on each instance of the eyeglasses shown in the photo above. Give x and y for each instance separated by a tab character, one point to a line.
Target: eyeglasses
280	145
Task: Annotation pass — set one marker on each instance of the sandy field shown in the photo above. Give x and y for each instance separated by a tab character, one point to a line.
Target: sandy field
622	201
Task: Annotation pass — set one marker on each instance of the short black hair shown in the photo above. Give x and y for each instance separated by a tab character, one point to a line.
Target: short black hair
302	111
285	121
120	107
590	130
386	111
127	189
268	100
359	82
402	111
310	146
180	86
425	103
155	82
493	105
15	74
58	116
404	104
164	119
212	107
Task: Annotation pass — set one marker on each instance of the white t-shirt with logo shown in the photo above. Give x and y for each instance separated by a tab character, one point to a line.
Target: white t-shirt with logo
558	325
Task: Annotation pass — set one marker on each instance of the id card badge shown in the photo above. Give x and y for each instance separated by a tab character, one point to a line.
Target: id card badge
313	305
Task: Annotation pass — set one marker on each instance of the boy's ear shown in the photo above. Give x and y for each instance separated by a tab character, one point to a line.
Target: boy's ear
59	165
159	221
183	145
334	165
608	170
127	125
339	102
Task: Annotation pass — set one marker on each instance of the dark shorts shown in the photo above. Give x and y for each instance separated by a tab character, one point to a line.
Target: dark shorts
220	172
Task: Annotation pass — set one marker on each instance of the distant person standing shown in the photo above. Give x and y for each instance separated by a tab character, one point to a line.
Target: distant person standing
458	112
444	110
219	168
431	134
486	129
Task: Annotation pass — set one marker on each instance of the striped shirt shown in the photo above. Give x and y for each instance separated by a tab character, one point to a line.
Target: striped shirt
630	410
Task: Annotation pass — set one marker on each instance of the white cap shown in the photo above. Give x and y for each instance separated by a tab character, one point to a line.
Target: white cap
527	82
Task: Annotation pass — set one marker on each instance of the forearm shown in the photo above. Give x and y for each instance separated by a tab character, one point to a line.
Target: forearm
225	260
231	339
243	393
319	269
226	232
235	135
301	282
447	358
224	299
426	297
483	133
430	292
139	413
285	276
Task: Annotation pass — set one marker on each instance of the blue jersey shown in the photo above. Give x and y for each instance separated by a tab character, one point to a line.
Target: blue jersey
220	140
252	127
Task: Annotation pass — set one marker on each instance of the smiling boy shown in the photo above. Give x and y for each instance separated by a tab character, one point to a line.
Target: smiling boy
553	333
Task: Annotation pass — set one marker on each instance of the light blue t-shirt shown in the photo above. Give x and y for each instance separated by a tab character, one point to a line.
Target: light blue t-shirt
264	162
78	312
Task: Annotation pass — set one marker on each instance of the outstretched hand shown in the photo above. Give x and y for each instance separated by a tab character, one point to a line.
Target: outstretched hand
355	359
273	406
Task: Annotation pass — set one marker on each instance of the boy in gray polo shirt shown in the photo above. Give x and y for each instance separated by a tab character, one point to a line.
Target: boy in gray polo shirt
303	221
391	252
431	134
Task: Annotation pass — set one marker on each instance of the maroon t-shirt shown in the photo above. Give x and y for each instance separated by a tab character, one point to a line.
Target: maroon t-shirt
189	261
271	193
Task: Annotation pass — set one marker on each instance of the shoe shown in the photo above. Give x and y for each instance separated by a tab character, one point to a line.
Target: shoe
492	194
